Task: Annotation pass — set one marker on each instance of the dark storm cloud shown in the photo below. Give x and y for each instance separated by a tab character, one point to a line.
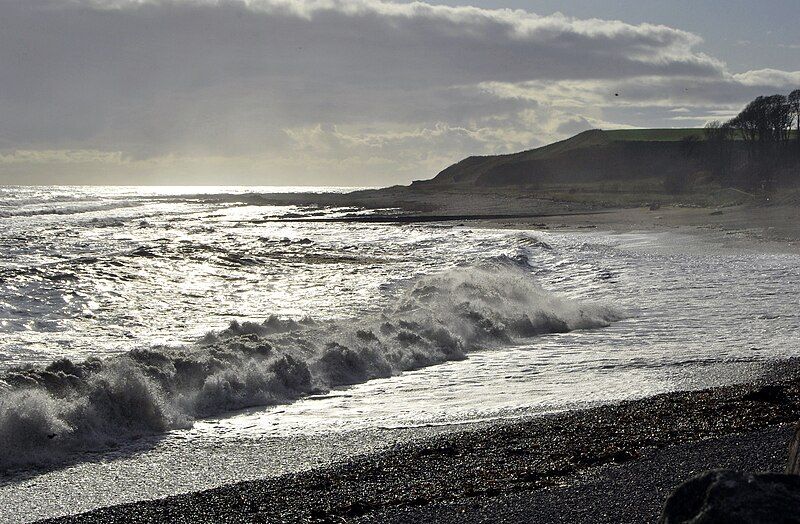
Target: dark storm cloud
152	76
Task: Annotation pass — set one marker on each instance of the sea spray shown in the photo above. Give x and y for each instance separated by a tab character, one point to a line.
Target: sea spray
68	407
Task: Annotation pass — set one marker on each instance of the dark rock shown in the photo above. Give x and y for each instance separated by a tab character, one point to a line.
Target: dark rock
725	496
772	393
793	467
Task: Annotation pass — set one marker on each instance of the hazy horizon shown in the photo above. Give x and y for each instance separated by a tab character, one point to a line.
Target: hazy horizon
359	93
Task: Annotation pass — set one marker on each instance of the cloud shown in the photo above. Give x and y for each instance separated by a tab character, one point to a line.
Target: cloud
61	156
769	78
574	125
389	91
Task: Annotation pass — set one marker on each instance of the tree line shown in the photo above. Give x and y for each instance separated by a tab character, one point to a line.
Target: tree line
757	148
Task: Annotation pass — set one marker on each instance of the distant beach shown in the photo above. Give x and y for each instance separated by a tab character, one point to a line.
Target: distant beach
742	220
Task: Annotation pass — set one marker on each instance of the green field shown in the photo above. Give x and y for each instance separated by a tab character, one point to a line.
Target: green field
663	135
653	135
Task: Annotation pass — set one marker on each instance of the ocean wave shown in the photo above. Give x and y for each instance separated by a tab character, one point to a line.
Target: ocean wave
67	209
70	407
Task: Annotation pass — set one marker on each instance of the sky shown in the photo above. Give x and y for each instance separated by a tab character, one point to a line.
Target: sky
360	92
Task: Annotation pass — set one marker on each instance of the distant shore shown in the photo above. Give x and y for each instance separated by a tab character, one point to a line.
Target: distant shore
745	226
776	223
614	463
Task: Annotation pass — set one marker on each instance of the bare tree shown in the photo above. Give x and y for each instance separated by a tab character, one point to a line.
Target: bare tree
750	123
764	125
779	118
764	121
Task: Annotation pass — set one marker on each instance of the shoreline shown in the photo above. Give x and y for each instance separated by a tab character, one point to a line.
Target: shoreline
745	227
487	470
504	466
776	224
504	469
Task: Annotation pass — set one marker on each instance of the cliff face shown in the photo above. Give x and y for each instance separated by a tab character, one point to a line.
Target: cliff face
587	157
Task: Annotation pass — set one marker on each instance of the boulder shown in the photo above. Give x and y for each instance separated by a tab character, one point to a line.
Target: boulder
793	466
730	497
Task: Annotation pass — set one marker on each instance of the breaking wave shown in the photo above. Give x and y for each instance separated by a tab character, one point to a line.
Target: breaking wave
70	407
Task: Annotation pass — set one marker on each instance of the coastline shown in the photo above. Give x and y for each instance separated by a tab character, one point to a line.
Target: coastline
775	225
775	228
399	262
537	469
520	468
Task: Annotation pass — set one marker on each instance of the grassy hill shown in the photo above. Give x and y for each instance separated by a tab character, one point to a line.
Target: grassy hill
629	167
590	156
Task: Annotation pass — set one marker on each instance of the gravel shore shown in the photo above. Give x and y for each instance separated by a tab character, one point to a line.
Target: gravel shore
628	493
608	464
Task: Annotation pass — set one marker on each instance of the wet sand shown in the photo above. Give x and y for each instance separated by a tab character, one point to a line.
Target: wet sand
758	223
776	227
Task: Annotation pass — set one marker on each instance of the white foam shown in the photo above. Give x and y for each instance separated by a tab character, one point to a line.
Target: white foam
68	407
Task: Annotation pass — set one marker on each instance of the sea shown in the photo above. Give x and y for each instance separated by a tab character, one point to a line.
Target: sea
161	340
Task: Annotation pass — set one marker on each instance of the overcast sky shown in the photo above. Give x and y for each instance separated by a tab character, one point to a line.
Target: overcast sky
360	92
